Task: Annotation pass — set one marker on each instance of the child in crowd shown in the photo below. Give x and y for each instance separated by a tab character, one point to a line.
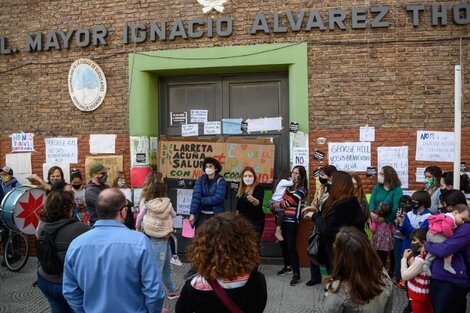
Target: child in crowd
282	185
382	239
412	271
404	206
441	227
76	181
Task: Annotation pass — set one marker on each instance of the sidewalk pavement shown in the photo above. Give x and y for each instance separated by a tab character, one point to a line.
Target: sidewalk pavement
17	295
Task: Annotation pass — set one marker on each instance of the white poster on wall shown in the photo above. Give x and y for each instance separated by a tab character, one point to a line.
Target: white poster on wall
20	163
189	130
102	144
198	116
396	157
139	150
420	174
61	150
213	128
349	156
183	201
435	146
301	157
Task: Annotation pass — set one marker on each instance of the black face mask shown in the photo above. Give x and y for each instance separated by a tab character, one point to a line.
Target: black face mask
323	181
76	187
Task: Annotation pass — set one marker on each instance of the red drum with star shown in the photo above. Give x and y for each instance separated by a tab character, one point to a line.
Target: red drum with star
20	208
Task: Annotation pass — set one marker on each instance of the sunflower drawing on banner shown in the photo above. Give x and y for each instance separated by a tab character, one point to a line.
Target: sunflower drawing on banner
209	5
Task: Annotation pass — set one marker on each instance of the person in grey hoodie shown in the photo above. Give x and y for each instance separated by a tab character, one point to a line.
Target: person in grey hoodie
57	218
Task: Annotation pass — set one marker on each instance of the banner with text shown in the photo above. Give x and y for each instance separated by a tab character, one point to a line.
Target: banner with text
435	146
61	150
349	156
396	157
113	163
183	159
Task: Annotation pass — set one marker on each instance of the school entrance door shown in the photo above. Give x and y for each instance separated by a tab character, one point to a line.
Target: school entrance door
228	96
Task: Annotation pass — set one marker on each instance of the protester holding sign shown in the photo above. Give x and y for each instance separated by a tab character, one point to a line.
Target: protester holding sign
387	190
250	200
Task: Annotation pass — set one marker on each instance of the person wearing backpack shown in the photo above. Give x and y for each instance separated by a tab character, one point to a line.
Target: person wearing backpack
56	231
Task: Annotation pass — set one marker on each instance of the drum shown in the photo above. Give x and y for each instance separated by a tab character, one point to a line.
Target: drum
20	209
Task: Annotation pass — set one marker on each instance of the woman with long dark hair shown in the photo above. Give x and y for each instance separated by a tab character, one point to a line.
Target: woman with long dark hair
250	200
358	282
341	208
291	202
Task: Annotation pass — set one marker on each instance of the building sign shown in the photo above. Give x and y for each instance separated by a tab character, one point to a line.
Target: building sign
307	20
87	85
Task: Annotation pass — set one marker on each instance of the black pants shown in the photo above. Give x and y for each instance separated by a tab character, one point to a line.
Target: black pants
448	297
288	246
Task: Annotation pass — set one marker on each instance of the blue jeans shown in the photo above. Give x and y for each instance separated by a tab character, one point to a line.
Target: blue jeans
162	254
53	293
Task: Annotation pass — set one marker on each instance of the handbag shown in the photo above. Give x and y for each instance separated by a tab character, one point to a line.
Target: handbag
223	296
313	249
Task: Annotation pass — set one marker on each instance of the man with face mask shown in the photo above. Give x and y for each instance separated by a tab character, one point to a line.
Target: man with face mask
8	181
99	176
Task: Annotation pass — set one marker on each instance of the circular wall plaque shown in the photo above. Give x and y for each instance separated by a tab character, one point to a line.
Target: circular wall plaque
87	84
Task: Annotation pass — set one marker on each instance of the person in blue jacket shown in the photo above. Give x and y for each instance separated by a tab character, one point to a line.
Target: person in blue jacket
208	194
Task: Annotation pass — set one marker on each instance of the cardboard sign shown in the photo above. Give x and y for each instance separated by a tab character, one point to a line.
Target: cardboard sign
113	163
183	159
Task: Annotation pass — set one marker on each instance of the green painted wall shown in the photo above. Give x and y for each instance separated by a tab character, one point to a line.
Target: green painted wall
145	67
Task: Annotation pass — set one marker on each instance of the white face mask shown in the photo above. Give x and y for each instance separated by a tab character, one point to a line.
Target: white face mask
248	180
210	171
121	182
380	179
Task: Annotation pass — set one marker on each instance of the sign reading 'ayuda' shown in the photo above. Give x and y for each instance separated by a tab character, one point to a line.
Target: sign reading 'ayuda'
283	22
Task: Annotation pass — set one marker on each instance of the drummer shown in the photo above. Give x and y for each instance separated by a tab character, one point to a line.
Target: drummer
54	175
8	181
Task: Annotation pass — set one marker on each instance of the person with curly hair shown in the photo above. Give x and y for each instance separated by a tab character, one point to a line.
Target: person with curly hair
359	282
57	218
225	253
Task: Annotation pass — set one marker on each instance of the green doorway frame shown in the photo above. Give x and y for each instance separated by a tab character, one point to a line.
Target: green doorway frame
146	67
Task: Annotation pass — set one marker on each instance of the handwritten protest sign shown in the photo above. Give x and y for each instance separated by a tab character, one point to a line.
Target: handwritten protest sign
102	144
212	128
198	116
61	150
183	159
435	146
183	201
349	156
396	157
22	142
113	163
301	157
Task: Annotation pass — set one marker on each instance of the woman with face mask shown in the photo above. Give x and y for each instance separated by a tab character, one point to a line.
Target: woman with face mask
76	181
208	193
387	190
55	175
250	200
432	184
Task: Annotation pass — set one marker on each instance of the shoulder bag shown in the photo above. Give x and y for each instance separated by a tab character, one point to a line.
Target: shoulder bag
223	296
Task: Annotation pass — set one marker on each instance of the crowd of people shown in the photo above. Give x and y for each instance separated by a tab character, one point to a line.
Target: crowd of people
368	246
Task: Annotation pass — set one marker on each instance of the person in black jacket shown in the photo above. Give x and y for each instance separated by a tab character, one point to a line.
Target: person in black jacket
225	253
57	217
341	209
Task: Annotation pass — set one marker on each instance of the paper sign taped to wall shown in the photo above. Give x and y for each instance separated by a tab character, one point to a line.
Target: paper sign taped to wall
113	163
396	157
232	126
264	124
61	150
102	144
349	156
188	130
22	142
198	116
20	163
435	146
139	146
212	128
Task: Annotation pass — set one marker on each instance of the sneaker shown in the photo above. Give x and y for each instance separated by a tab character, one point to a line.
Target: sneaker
176	261
295	280
284	271
311	283
278	234
173	295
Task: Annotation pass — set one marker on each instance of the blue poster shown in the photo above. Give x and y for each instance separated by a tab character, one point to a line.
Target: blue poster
232	126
